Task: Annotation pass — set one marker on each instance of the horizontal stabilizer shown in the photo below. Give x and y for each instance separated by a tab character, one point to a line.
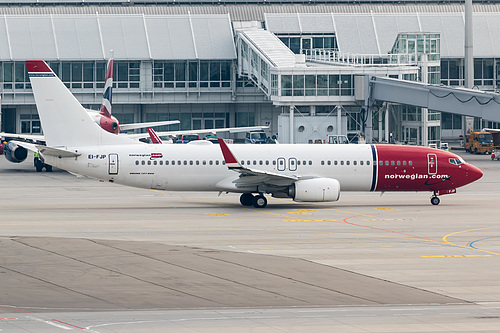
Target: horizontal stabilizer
57	152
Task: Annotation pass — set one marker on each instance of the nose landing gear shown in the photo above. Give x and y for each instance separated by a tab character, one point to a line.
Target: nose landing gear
435	200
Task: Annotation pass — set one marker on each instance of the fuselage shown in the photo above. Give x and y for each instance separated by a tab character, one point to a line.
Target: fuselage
201	167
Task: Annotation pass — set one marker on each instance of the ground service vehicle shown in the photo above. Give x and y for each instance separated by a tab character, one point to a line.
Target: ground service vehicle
256	137
338	139
479	143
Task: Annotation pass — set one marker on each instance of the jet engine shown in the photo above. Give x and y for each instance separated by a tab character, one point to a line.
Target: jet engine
315	190
15	153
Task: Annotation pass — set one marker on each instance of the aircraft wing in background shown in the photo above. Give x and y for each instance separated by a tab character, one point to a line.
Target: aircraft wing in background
200	131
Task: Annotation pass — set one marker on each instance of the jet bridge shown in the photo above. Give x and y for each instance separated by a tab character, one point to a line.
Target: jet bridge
374	90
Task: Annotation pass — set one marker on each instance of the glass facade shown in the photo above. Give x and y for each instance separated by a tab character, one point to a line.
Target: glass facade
428	44
315	85
192	74
300	44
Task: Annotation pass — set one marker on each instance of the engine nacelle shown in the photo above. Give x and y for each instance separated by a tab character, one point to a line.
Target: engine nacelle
315	190
15	153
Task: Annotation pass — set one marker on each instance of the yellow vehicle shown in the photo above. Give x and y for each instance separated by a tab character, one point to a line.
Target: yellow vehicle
479	143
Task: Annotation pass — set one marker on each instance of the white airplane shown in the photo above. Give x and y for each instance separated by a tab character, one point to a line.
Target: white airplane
308	173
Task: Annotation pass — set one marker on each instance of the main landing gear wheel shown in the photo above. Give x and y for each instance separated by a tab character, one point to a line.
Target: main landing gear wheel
259	201
246	199
435	201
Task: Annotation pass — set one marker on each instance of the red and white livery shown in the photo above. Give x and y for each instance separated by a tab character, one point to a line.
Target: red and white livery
310	173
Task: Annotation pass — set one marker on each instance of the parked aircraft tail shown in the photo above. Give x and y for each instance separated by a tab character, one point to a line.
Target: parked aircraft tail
64	120
107	100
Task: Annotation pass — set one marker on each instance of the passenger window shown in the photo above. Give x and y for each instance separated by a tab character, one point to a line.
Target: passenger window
242	162
155	162
367	162
210	162
161	162
355	162
335	162
360	162
386	163
166	162
347	162
136	162
404	162
260	162
185	162
380	162
197	162
398	163
223	162
298	162
217	162
143	162
392	163
310	162
254	162
274	162
173	162
190	162
322	162
204	162
267	162
410	163
341	162
179	162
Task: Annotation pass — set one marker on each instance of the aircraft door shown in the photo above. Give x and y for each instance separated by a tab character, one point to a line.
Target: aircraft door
113	164
292	161
281	164
432	164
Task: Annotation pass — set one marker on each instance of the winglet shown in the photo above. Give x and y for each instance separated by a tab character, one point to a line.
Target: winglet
38	66
231	161
154	137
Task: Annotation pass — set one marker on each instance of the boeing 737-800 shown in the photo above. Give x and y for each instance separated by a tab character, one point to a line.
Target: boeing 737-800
309	173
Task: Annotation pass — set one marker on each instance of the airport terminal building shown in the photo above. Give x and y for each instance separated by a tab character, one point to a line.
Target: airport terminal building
292	65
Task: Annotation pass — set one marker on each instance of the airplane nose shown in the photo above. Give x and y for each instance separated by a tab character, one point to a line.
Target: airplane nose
474	173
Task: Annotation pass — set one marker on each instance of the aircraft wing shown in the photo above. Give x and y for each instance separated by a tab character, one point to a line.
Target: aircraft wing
253	177
126	127
491	130
200	131
29	137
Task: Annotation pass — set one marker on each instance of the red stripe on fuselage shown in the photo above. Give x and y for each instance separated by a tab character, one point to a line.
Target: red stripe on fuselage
409	168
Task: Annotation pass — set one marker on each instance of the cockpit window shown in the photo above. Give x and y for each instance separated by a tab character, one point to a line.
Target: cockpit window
456	161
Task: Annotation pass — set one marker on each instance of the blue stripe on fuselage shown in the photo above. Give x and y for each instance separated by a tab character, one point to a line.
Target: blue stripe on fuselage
375	165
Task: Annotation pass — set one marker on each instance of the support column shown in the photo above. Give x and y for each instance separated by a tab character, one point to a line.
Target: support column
368	125
469	59
292	110
379	117
386	132
339	120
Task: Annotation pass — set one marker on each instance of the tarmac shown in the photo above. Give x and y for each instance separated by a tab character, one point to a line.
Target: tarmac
82	255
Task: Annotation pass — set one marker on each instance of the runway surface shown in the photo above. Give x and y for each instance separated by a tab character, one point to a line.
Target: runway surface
77	254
